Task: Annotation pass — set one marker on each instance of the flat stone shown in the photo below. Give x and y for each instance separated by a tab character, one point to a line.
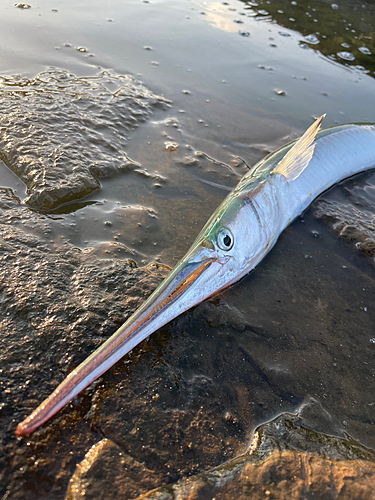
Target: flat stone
60	133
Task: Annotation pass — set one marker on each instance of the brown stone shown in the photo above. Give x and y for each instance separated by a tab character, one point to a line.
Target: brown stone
108	473
284	475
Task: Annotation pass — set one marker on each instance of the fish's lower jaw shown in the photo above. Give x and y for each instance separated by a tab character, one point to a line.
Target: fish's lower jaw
21	431
31	423
43	412
24	428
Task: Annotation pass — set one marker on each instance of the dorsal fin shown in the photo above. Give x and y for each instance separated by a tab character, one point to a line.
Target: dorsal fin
299	156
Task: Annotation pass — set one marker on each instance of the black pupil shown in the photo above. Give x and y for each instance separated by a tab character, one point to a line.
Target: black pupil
227	240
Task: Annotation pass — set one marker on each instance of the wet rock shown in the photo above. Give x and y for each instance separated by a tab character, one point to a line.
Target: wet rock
57	306
161	416
284	475
285	460
291	432
60	133
276	468
107	472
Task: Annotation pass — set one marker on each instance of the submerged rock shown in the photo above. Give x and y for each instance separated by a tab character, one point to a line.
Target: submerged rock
277	465
188	399
60	133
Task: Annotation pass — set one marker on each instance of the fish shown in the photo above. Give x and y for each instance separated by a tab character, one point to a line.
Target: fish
235	239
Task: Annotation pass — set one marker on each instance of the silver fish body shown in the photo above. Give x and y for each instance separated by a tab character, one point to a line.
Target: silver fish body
241	231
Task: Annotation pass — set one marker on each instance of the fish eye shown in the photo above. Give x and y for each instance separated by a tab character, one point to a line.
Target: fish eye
225	239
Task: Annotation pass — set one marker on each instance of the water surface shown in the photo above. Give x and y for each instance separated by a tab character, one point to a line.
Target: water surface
232	80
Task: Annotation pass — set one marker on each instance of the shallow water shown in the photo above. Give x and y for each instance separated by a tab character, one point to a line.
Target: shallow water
242	79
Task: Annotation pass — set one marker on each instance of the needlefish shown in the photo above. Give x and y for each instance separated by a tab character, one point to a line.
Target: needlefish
241	231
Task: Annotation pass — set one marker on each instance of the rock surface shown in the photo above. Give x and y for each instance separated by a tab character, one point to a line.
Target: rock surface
275	467
107	472
56	306
285	475
60	133
189	398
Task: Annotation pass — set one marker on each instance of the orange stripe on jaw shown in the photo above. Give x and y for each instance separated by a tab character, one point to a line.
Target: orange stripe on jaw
47	410
184	285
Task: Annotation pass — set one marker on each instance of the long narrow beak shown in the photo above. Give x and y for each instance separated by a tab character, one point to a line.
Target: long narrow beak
178	292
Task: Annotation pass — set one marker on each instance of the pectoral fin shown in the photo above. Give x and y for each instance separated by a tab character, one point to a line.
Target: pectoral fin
299	156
